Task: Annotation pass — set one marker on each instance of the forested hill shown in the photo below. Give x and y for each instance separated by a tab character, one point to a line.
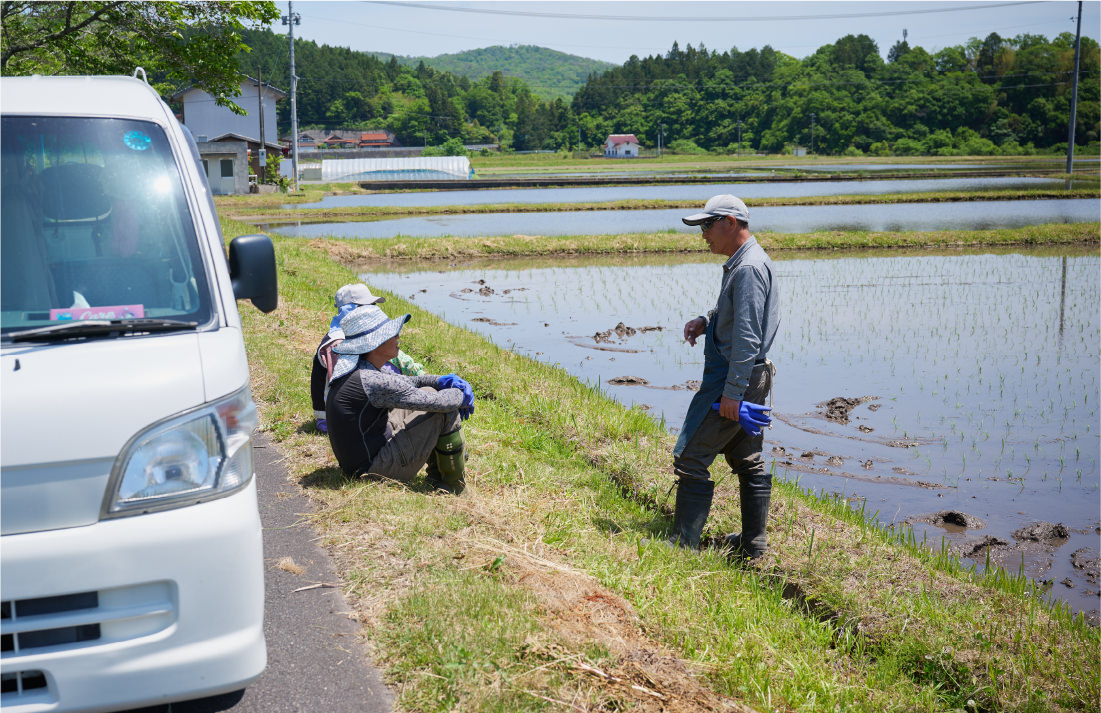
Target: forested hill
549	73
996	95
341	88
986	97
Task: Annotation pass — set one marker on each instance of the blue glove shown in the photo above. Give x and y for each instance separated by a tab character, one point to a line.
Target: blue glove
322	425
466	411
450	381
751	416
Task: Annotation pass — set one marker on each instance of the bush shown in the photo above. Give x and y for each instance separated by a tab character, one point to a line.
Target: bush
879	148
979	146
908	147
852	151
451	147
686	146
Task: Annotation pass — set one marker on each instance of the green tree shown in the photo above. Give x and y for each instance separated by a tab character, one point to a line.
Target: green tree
194	43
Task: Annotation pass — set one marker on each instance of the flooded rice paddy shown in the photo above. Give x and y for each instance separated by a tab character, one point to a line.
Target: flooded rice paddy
783	219
957	392
689	191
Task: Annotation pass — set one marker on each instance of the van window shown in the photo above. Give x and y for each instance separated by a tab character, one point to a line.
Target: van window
95	225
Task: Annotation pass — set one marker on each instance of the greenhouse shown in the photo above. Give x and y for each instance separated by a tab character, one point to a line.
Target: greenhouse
435	168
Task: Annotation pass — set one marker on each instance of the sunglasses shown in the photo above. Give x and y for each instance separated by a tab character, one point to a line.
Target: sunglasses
706	225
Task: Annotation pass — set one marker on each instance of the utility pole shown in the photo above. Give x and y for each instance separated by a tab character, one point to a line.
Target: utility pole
579	140
263	155
739	137
291	19
1074	96
812	132
661	135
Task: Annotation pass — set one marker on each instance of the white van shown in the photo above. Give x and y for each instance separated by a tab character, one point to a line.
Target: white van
131	569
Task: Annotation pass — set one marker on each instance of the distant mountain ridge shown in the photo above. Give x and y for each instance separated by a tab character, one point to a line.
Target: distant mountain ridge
550	74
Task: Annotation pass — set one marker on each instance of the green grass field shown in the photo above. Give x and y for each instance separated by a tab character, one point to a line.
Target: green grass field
541	588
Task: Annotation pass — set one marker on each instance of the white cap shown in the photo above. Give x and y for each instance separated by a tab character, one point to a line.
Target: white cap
356	295
725	204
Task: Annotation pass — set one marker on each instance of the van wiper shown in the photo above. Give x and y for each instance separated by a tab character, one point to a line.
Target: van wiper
100	328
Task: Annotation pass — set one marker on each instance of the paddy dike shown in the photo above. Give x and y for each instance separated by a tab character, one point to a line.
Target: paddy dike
680	178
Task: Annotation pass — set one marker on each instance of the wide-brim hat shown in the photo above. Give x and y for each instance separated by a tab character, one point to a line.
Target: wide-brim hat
366	329
718	206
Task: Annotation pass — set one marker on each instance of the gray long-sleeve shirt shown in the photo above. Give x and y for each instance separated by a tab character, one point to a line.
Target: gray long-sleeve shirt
746	314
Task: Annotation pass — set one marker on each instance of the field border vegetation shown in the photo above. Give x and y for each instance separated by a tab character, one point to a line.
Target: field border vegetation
545	587
241	208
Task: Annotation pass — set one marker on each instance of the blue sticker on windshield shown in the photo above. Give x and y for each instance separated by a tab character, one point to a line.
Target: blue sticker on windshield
137	140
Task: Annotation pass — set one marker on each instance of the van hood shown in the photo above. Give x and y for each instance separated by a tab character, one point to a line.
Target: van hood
84	400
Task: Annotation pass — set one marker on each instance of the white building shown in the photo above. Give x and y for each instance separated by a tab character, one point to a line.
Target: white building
212	124
621	146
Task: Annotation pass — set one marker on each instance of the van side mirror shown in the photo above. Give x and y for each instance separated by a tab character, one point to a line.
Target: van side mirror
252	271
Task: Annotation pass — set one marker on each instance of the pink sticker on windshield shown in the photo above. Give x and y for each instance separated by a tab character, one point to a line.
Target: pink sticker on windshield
105	312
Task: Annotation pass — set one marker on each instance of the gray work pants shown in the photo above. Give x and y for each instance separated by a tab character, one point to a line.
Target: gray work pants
717	435
414	439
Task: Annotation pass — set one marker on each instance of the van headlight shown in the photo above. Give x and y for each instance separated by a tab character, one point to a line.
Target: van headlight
200	455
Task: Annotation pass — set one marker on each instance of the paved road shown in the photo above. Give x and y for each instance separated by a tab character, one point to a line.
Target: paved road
315	659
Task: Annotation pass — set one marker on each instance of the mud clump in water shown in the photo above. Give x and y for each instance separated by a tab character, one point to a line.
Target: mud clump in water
838	408
952	518
622	331
1044	533
979	547
628	381
1088	560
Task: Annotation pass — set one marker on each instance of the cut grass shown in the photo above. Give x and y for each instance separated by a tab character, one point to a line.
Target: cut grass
544	571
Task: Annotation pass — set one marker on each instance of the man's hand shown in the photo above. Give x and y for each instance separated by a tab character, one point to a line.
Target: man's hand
752	417
729	408
693	329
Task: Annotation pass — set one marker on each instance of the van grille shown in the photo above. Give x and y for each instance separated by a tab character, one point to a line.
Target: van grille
72	621
18	683
46	610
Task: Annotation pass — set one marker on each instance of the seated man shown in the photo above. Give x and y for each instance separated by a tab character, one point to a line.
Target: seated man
348	298
388	424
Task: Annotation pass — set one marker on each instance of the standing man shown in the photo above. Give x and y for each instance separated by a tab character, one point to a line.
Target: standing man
727	413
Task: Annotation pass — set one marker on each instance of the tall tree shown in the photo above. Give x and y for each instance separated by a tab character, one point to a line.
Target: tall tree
179	42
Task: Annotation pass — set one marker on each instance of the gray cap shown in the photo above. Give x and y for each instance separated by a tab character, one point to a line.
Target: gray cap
356	295
725	204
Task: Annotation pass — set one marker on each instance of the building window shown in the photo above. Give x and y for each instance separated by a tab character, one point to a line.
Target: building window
227	168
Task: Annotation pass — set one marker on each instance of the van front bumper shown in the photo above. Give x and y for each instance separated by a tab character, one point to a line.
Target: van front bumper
134	611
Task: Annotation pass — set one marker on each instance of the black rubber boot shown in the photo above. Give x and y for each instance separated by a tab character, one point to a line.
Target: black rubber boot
451	461
693	505
755	493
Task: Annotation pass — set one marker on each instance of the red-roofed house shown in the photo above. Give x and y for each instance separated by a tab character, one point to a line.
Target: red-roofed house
374	138
621	146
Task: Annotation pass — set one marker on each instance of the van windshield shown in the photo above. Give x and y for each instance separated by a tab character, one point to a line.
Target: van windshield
95	225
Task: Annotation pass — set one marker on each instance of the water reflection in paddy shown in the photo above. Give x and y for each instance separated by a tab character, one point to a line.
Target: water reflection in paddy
698	191
988	362
783	219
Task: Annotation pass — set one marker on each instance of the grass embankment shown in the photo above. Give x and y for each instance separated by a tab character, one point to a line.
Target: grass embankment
537	589
492	164
402	248
240	208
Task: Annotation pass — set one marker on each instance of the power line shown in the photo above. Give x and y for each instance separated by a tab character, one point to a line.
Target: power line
626	17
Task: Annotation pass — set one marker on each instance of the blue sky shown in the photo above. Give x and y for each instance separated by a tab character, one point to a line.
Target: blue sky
613	31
